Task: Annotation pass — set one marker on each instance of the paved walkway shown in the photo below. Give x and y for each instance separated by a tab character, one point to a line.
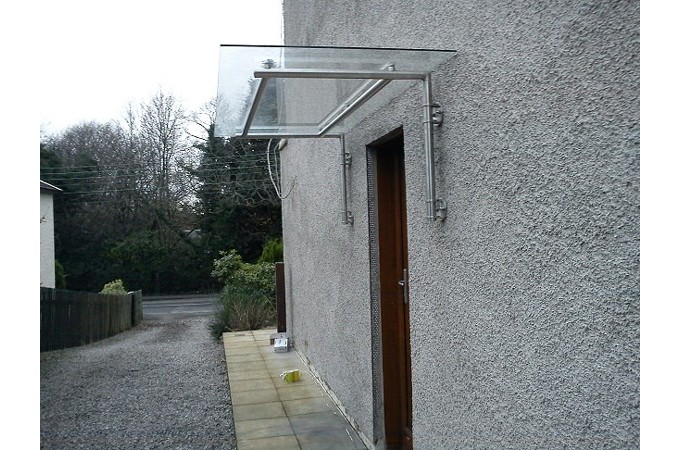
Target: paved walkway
272	414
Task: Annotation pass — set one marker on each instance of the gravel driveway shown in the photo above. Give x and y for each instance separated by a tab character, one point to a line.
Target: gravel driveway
161	385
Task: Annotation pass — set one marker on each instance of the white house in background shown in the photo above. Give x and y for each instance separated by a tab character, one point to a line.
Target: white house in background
47	234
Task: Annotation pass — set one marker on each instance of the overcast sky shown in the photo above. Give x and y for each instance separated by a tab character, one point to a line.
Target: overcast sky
96	57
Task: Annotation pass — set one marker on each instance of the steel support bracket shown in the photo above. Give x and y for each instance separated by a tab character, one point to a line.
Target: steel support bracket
437	114
348	159
432	115
345	162
441	209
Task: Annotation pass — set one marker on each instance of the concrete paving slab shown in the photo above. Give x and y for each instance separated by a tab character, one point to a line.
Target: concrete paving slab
307	406
354	437
261	428
277	442
276	361
308	423
284	364
240	350
325	440
251	385
259	411
252	397
241	375
299	392
268	352
245	358
240	344
245	365
240	338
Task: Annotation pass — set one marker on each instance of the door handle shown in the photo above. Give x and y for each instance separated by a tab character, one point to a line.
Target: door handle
404	285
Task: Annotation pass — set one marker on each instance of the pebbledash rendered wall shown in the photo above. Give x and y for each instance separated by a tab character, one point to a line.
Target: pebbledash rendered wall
47	275
525	322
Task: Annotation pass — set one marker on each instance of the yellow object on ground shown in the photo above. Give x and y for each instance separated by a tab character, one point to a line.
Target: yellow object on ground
291	376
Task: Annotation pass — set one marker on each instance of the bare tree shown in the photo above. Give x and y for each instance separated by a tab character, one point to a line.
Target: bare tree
163	141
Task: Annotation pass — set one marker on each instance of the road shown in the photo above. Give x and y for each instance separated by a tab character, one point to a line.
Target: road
179	306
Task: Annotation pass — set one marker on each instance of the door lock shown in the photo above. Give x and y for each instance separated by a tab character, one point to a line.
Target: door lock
404	285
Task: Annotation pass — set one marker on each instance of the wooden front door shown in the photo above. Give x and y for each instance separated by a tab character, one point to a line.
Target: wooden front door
394	308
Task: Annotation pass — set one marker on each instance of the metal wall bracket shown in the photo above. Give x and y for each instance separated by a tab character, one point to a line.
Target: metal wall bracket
441	209
348	159
431	115
345	162
437	114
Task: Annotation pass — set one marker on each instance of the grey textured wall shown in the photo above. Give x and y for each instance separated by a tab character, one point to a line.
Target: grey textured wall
525	301
47	274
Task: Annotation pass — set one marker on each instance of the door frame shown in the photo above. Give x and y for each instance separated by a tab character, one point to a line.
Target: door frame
380	428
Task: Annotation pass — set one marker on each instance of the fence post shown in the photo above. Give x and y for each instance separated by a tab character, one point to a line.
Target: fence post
280	298
136	309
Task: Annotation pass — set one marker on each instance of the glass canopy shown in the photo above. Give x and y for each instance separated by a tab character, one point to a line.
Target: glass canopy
284	91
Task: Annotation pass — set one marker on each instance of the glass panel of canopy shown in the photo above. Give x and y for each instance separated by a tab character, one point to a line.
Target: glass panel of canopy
298	92
286	91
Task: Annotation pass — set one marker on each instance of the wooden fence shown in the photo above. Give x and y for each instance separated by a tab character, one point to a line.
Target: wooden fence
73	318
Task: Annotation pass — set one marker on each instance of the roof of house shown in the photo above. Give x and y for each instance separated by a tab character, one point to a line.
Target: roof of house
47	186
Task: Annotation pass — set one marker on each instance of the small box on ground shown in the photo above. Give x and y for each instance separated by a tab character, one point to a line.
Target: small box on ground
274	336
280	345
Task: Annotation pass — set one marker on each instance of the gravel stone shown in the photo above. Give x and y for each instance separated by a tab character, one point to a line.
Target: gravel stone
161	385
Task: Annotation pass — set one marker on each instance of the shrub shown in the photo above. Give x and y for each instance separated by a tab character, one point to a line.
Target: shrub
227	265
248	299
242	308
114	288
232	271
272	251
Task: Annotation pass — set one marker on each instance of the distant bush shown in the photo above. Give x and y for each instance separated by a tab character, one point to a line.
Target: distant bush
272	251
249	296
114	287
232	271
59	277
227	265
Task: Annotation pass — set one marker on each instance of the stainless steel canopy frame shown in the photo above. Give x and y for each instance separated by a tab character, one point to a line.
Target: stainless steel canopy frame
375	80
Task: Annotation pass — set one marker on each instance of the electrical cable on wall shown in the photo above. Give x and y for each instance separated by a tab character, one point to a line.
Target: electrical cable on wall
277	183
